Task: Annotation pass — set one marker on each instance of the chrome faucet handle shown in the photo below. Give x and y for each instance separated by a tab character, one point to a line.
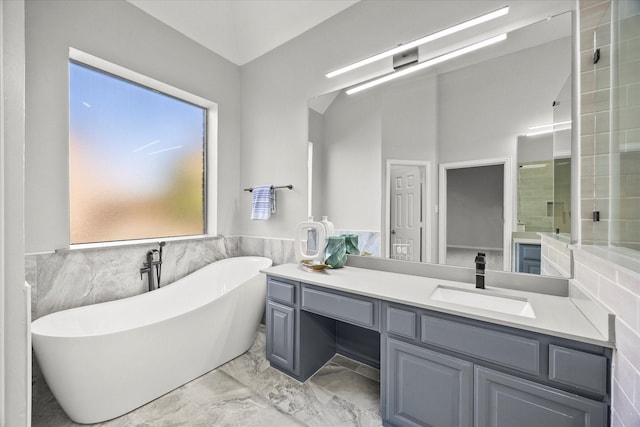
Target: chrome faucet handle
144	270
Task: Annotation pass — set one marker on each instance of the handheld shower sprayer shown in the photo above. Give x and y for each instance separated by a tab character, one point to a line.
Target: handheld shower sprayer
159	264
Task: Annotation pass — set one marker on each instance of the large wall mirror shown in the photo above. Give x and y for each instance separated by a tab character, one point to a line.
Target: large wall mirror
435	166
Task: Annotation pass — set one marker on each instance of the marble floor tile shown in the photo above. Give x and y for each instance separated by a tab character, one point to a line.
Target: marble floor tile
369	372
361	391
341	360
246	391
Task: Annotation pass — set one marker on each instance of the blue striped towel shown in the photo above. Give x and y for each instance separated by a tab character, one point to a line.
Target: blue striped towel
264	202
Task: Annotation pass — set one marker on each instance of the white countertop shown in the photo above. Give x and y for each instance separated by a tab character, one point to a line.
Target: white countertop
556	316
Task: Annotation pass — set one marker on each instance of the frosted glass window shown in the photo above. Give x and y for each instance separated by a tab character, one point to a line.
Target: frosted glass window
136	160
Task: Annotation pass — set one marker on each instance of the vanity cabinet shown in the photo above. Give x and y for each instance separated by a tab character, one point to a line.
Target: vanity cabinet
438	369
442	370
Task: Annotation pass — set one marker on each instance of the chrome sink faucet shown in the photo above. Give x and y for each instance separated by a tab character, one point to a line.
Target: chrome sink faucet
480	266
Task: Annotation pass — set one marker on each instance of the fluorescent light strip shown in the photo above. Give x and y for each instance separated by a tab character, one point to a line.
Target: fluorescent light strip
549	125
427	64
548	128
534	166
431	37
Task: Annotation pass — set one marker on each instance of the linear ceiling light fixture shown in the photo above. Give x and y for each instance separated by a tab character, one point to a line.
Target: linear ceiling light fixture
548	128
426	64
431	37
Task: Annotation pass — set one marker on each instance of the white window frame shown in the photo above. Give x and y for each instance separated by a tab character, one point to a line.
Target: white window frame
210	161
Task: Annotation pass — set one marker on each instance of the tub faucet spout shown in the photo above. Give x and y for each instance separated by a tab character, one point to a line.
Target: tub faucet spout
153	260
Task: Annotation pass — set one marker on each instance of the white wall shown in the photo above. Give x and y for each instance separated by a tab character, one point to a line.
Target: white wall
120	33
351	162
483	108
15	381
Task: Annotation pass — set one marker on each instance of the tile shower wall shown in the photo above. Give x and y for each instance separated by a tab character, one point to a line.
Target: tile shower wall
610	122
618	288
595	94
625	126
535	195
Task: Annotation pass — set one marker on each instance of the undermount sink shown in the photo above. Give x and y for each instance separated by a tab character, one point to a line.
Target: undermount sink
480	299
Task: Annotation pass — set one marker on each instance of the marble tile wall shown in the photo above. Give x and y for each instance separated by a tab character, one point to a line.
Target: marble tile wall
618	288
368	241
279	250
75	278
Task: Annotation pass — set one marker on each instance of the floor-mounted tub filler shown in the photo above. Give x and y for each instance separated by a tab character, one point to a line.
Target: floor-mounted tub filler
104	360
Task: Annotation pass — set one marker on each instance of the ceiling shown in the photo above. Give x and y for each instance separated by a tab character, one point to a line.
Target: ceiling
242	30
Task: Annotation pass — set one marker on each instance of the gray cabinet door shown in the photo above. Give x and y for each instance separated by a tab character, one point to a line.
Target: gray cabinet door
425	388
280	335
506	401
529	258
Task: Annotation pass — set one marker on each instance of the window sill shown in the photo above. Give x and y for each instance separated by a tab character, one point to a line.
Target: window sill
138	242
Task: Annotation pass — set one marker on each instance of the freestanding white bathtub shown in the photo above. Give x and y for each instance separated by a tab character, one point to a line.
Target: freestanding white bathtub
104	360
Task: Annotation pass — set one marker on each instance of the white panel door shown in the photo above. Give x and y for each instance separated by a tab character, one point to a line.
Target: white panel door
406	213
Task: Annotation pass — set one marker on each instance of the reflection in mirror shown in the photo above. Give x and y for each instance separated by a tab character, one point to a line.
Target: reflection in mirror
544	184
468	110
474	212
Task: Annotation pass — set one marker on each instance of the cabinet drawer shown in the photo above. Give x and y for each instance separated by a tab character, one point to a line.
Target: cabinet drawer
400	322
578	369
359	311
278	290
504	349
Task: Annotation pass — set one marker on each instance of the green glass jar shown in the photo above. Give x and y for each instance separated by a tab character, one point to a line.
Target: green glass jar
335	252
351	243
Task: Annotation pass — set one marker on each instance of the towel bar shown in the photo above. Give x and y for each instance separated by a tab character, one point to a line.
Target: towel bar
290	187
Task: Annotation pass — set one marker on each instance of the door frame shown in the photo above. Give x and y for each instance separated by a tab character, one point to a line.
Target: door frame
426	203
507	207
